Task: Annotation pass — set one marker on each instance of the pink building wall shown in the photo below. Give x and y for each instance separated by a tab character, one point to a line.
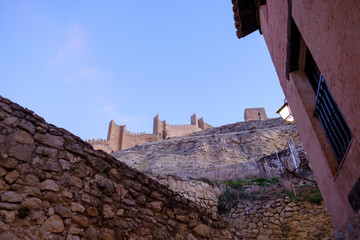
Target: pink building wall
331	31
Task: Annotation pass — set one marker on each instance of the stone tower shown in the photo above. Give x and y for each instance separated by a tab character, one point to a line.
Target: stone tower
254	114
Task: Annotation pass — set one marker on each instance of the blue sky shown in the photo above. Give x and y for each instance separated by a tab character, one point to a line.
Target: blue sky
80	64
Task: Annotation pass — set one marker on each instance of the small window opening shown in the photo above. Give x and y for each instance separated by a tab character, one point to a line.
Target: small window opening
327	111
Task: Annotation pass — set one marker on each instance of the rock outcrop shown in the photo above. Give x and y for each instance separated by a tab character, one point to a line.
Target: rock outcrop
226	152
53	185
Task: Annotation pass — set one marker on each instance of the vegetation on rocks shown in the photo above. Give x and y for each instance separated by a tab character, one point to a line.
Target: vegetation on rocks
261	181
305	193
263	189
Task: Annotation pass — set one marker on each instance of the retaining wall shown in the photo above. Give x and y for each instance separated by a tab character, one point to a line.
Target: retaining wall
281	219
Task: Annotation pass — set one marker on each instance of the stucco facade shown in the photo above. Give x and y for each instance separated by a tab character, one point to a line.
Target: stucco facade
330	31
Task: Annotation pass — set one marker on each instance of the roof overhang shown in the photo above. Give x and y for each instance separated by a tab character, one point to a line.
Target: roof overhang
246	16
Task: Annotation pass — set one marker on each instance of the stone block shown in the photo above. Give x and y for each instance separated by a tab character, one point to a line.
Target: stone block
31	202
28	126
12	176
11	121
49	140
93	212
92	233
157	206
107	211
49	184
10	196
54	224
202	230
22	152
62	211
8	216
9	163
80	220
77	207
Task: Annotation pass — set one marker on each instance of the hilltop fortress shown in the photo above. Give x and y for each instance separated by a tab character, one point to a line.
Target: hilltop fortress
119	138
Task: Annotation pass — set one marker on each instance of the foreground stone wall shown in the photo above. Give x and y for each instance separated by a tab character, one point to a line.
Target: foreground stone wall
55	186
281	219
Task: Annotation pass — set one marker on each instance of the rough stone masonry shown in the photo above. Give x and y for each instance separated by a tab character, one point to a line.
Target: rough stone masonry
53	185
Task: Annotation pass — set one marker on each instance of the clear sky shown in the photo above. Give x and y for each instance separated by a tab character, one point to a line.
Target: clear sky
80	64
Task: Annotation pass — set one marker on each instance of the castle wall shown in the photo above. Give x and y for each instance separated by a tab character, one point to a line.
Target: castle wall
180	130
119	138
53	185
132	139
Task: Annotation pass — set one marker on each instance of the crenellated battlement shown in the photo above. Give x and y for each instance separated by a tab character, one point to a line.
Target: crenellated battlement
182	126
99	140
119	138
132	134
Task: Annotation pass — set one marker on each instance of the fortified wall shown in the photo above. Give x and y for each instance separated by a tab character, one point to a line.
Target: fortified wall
119	138
53	185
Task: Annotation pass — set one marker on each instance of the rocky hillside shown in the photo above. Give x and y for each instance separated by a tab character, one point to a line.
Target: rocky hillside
220	153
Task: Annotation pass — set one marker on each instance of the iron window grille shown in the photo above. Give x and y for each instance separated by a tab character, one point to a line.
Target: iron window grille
332	120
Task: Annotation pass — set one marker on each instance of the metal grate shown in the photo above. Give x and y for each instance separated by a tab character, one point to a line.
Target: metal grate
332	121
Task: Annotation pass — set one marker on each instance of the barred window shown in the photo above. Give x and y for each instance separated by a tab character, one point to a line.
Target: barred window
327	111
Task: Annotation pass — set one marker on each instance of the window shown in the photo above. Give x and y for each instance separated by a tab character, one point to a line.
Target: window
312	71
327	111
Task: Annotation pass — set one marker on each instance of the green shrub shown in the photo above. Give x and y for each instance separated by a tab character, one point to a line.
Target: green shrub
261	181
234	183
305	193
314	196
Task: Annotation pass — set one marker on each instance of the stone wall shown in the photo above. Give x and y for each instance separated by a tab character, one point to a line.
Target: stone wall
53	185
205	194
165	130
280	219
131	139
180	130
